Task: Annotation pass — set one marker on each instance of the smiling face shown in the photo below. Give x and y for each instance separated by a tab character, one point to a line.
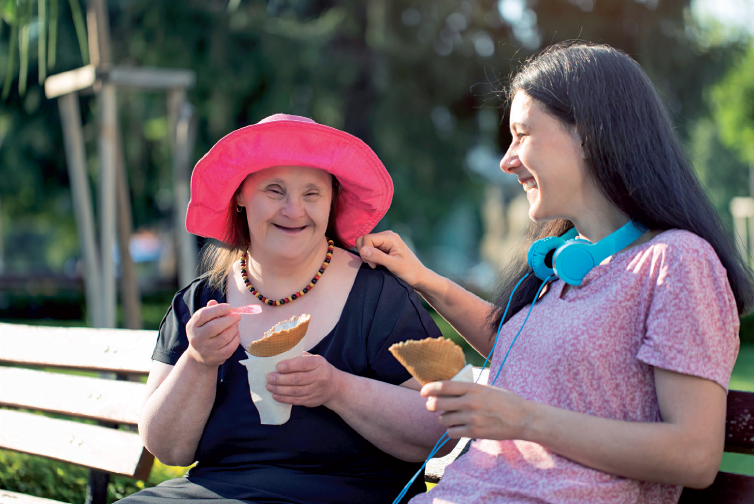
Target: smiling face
547	158
287	210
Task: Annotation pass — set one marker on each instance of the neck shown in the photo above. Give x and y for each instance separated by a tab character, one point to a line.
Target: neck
277	277
599	223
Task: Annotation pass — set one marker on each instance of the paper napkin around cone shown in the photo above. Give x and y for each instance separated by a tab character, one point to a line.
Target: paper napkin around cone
287	339
430	359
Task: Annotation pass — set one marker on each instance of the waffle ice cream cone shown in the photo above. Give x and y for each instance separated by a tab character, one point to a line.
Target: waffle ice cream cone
282	337
430	359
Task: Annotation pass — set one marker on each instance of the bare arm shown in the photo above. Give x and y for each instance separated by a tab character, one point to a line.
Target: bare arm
466	312
393	418
180	398
684	449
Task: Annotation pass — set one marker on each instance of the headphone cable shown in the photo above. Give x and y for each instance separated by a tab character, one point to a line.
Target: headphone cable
445	438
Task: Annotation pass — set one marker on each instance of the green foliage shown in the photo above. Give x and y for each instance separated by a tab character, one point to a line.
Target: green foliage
721	172
733	106
416	79
50	479
472	356
42	478
22	15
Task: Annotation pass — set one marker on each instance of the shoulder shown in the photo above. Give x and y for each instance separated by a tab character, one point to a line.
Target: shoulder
380	277
195	295
678	247
680	241
367	277
682	260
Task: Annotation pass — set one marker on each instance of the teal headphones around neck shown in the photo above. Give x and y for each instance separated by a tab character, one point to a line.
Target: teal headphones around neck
571	258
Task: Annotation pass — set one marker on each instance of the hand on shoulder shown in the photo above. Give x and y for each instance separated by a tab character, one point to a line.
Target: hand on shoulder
389	250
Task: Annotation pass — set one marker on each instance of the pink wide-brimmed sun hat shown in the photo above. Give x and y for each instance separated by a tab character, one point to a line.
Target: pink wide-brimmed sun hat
287	140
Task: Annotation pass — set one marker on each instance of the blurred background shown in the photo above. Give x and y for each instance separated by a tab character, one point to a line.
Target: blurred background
418	80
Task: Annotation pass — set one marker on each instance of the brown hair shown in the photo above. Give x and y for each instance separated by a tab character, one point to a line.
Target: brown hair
217	257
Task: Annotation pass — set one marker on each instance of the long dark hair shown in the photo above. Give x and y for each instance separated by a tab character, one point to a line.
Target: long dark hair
632	154
217	257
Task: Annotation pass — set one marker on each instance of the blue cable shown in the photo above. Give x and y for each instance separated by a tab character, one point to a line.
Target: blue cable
521	328
445	438
500	326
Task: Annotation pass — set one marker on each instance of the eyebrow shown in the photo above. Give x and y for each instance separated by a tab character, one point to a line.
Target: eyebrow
517	123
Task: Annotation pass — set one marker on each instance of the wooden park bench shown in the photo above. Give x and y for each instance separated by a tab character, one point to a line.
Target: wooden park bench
728	488
31	381
31	358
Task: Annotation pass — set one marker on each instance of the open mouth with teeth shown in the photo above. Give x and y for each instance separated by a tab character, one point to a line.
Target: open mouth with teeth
529	184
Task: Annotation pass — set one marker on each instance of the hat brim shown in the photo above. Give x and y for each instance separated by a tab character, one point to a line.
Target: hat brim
366	186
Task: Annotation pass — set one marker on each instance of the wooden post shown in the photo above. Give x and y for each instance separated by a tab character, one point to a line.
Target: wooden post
742	210
129	290
70	116
183	135
108	199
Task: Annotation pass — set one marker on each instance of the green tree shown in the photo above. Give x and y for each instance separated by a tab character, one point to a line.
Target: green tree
416	79
732	101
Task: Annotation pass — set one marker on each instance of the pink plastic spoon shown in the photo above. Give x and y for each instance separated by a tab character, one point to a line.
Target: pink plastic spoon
251	309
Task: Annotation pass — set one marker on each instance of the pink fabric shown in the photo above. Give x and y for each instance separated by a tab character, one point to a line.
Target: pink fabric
285	140
665	303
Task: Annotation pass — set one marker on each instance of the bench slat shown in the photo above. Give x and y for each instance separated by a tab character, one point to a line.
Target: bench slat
8	497
435	469
95	398
739	423
727	489
87	445
118	350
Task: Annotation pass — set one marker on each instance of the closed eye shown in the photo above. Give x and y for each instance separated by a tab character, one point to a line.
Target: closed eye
275	189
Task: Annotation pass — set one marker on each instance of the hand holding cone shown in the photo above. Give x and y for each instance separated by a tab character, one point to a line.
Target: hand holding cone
430	359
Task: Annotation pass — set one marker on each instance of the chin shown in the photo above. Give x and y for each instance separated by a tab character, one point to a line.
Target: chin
536	214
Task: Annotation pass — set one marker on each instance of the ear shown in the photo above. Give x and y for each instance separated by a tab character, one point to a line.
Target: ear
237	198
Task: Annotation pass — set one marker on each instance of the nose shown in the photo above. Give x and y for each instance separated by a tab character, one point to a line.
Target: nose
293	207
510	161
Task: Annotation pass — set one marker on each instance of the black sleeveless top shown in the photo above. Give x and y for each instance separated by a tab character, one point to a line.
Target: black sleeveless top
315	457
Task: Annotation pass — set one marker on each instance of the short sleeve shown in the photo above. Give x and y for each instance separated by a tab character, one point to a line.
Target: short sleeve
399	316
692	324
172	340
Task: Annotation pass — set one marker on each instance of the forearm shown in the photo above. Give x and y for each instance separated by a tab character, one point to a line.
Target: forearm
173	418
465	311
391	417
650	451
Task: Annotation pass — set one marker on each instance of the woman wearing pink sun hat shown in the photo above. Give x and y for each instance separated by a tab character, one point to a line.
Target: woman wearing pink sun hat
283	199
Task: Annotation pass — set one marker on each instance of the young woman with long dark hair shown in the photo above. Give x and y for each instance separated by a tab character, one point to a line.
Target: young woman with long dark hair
614	383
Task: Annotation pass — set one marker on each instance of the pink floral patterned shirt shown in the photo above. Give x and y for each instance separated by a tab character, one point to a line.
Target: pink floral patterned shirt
592	349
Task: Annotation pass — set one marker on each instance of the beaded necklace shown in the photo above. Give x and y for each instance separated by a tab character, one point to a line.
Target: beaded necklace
295	295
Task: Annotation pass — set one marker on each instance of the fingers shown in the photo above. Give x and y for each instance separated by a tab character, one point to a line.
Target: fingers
213	333
374	256
228	340
214	311
301	364
446	388
374	248
296	388
448	403
305	381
